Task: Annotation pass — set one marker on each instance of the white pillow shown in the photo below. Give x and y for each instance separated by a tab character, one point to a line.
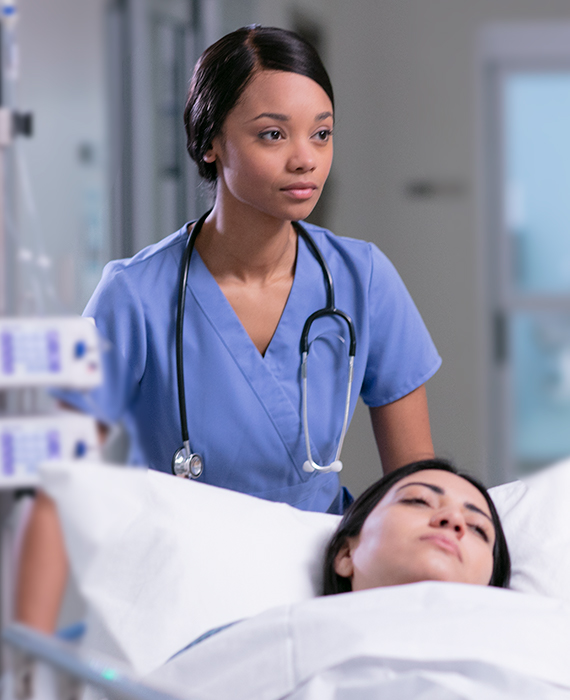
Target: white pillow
536	519
164	559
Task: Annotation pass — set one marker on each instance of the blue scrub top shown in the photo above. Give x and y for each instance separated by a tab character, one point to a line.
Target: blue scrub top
244	409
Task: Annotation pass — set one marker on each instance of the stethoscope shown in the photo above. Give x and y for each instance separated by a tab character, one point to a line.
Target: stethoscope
190	464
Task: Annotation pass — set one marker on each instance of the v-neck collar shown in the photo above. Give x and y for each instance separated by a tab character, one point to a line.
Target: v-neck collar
266	373
288	320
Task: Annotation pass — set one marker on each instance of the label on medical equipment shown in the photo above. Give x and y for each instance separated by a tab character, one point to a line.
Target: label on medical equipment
25	442
51	351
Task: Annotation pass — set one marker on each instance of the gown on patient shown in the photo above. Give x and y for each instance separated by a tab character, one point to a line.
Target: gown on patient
244	409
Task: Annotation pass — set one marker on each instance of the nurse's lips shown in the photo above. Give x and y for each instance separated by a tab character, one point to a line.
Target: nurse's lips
300	190
448	545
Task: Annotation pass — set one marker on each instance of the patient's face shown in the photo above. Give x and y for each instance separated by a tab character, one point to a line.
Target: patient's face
430	526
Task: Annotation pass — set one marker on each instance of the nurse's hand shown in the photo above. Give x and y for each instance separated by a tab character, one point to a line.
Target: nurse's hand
43	567
402	430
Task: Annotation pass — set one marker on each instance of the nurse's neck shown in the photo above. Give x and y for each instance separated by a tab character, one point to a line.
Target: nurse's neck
247	245
252	258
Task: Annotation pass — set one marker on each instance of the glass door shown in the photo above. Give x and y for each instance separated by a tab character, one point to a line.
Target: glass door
536	289
527	204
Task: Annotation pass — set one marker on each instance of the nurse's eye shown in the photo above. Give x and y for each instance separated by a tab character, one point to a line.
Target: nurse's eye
271	135
323	135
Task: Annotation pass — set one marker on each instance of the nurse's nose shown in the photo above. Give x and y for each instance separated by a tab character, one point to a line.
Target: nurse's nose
302	157
450	518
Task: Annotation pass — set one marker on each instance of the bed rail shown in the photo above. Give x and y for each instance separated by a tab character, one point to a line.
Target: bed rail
44	667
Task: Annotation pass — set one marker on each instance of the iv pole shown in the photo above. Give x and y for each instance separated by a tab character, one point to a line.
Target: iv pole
12	124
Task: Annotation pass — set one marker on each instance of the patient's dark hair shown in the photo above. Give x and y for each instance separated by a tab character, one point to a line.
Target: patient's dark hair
353	520
225	69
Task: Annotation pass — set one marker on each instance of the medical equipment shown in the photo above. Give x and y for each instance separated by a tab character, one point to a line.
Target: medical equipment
190	464
49	351
26	441
36	353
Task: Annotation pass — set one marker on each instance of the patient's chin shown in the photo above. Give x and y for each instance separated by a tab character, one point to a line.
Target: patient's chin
427	562
436	564
439	569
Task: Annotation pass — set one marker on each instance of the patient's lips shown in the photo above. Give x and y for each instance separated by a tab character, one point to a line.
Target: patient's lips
445	543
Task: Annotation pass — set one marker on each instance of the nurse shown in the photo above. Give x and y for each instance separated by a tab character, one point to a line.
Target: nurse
259	121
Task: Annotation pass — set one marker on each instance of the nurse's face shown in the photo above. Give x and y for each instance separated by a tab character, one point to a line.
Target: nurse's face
275	149
430	526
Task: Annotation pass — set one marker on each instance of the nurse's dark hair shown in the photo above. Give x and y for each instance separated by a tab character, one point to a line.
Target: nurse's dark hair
223	72
354	518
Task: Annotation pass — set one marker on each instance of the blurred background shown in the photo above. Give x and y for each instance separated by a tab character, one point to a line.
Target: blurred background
452	154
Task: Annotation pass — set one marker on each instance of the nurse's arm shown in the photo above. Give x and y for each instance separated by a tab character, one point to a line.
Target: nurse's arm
402	430
43	567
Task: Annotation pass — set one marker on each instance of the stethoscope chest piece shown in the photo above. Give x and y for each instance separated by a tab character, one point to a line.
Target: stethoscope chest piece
187	464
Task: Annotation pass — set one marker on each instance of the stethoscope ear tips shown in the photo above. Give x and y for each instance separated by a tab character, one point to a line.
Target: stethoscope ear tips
336	466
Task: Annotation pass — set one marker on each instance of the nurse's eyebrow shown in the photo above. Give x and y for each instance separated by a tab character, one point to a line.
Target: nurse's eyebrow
272	115
285	117
437	489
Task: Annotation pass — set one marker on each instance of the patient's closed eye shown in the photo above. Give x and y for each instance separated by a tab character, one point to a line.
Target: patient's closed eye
418	495
480	531
415	501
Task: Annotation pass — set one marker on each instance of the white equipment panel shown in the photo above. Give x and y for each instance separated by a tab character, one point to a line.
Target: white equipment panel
27	441
51	351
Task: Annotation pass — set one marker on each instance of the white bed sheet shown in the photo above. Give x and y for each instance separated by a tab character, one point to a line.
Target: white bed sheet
423	641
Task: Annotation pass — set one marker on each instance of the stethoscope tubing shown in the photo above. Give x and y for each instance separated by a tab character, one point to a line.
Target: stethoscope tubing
310	464
183	281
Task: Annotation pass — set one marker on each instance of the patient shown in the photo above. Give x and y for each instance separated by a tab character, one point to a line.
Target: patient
422	522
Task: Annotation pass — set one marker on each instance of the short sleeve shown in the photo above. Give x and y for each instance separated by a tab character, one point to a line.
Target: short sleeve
120	322
402	355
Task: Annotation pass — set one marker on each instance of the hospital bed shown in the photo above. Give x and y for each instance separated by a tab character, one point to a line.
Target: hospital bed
140	546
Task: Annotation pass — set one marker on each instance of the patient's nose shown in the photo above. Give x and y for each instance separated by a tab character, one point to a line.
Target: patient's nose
451	519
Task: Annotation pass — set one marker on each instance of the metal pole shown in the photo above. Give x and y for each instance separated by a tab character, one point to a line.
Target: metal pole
89	669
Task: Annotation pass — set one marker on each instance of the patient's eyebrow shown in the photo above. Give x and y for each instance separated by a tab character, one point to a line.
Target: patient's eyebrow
475	509
433	487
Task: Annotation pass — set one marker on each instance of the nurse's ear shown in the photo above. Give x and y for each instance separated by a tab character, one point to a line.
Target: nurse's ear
215	149
209	156
343	561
